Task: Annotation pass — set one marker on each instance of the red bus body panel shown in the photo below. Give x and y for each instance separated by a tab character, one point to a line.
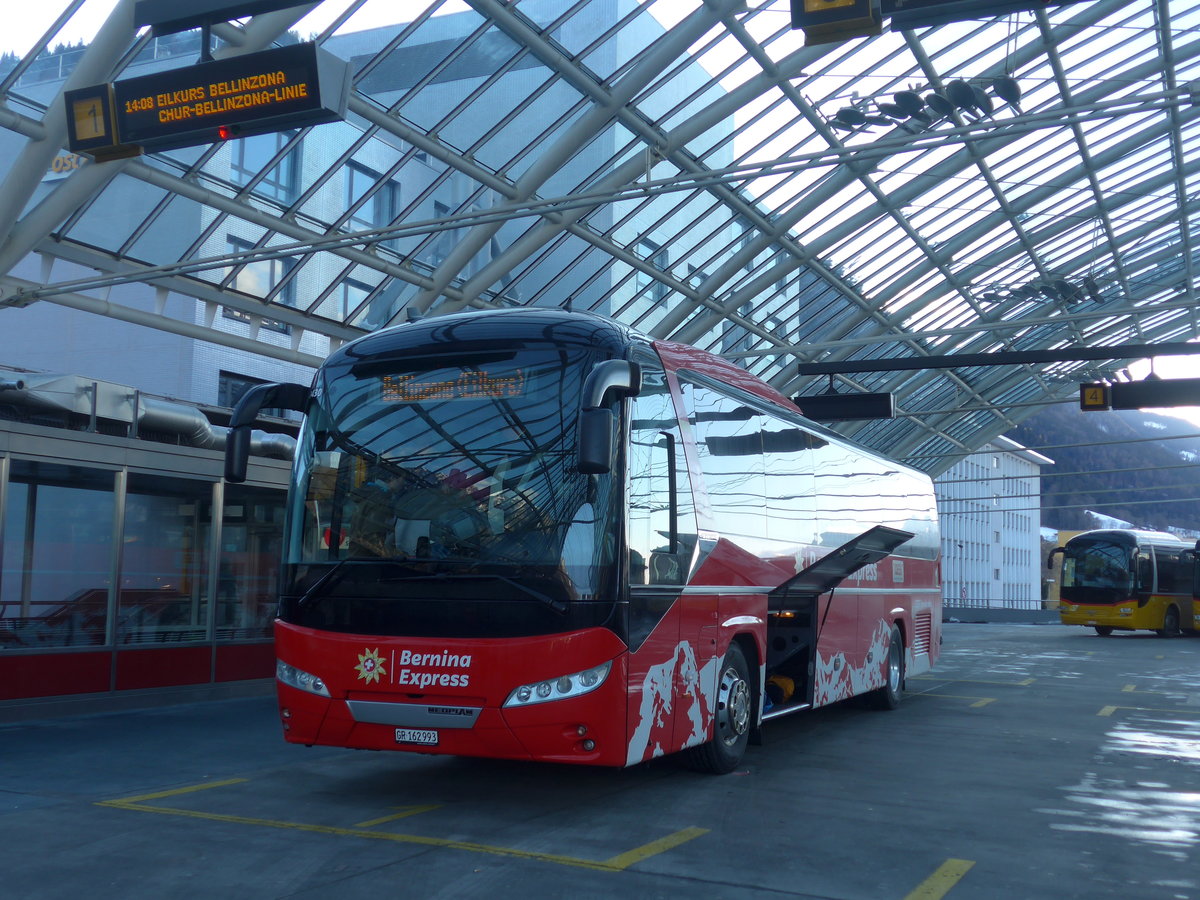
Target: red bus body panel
480	674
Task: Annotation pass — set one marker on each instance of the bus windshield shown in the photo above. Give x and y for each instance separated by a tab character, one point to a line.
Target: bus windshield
1097	571
431	475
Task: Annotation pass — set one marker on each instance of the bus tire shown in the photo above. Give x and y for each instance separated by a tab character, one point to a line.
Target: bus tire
1170	623
889	696
732	719
1103	630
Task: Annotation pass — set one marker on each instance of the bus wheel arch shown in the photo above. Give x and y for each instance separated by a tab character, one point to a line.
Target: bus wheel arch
734	715
892	692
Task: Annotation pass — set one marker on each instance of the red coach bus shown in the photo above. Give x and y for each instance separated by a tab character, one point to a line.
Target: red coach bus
537	534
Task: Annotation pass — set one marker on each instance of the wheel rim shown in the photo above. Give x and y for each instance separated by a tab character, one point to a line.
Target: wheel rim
733	710
894	668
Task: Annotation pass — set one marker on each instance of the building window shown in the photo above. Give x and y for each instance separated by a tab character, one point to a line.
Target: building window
748	234
251	155
251	538
164	561
57	555
231	387
443	242
735	338
379	208
351	295
258	279
644	283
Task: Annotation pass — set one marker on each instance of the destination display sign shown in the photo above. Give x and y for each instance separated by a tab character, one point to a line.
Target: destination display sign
272	90
465	385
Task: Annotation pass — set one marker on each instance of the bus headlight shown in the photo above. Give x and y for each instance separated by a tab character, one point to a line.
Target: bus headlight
560	688
1127	610
300	679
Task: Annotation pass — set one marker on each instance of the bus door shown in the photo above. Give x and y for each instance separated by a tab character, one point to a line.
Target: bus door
842	493
667	701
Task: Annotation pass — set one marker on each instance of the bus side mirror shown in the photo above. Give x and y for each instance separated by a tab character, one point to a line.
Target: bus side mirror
1053	553
596	440
271	396
615	377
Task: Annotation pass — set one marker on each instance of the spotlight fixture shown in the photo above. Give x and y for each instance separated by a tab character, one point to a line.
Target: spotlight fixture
908	108
1062	290
1007	89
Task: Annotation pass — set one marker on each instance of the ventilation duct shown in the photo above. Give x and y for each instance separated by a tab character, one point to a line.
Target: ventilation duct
97	400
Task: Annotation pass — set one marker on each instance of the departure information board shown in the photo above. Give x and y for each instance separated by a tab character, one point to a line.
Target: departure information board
272	90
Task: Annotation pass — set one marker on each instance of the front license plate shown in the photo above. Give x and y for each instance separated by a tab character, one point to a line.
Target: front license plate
416	736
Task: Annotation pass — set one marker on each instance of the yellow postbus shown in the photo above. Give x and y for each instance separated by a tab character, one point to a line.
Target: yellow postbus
1129	580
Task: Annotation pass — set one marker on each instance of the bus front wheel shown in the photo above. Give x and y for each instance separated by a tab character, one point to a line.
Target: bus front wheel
1103	630
732	719
1170	623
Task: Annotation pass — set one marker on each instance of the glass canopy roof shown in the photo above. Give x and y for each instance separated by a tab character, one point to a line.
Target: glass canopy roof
690	167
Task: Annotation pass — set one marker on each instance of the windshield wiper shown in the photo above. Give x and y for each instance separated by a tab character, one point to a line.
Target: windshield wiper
328	578
558	606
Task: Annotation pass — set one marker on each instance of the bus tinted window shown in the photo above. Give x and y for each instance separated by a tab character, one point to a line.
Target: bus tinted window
658	488
777	487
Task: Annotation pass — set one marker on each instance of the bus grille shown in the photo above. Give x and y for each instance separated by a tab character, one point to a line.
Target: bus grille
922	631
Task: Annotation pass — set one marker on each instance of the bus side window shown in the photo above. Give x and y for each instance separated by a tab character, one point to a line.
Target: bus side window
660	503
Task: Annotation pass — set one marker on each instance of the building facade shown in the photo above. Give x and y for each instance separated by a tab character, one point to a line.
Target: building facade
989	506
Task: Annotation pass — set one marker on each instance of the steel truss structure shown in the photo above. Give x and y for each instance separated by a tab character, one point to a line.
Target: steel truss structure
1020	183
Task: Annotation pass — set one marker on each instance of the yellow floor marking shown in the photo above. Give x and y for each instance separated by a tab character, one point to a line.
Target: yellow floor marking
979	701
625	860
159	795
616	864
1109	710
1128	689
405	812
946	876
1025	683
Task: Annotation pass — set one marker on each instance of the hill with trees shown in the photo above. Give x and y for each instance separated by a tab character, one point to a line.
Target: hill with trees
1139	467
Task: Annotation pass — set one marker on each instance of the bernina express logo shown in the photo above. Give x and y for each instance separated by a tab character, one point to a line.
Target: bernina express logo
414	669
370	666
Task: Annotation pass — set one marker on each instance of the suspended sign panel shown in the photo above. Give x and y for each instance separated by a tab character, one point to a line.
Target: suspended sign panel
826	21
273	90
170	16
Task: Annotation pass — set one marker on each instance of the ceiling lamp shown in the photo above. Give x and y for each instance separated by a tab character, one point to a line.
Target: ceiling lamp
851	118
960	94
910	102
1006	88
941	107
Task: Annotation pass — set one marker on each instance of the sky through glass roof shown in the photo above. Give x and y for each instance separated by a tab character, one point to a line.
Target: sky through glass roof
1019	183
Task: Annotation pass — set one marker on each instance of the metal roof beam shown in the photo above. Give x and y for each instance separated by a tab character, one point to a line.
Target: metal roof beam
609	105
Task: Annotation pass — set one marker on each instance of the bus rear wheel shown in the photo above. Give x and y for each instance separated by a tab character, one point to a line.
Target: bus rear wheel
1170	623
732	720
1103	630
889	696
